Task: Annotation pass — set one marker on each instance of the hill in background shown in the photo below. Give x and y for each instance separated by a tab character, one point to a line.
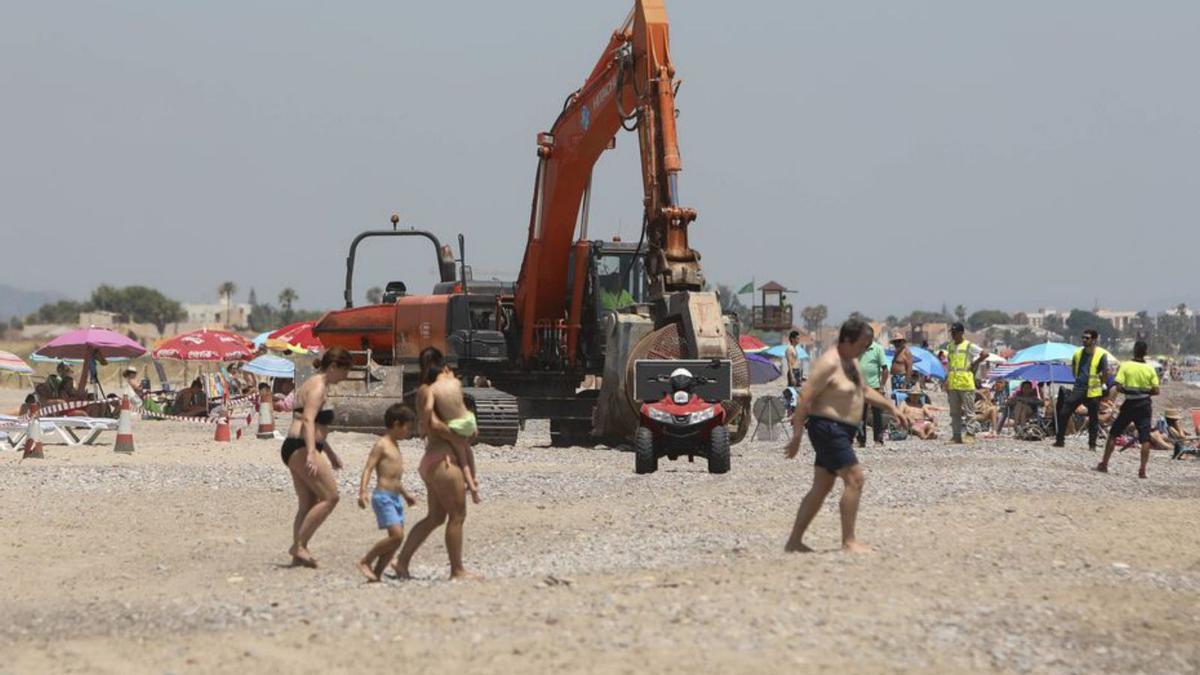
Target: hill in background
20	302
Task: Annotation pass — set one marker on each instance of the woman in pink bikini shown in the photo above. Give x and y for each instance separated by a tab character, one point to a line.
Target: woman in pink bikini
445	481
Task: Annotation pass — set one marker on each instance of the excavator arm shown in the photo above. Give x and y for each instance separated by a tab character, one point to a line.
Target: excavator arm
632	86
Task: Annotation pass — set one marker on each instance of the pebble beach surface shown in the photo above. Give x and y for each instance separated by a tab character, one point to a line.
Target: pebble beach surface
1002	555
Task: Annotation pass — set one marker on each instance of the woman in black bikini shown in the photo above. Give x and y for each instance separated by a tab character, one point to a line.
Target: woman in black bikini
309	458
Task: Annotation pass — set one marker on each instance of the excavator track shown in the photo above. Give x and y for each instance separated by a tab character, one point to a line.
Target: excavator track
497	415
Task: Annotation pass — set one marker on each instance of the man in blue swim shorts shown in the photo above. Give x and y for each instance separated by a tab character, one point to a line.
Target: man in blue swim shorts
831	407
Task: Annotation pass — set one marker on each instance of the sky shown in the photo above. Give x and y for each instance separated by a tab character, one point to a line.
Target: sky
873	156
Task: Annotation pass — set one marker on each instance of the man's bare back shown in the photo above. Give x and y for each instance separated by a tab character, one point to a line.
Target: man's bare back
841	396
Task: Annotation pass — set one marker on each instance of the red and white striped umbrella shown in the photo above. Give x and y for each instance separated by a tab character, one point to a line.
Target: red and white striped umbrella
12	363
206	345
296	337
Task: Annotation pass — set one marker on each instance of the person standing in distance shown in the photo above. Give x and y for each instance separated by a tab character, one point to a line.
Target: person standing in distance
873	364
1090	367
962	358
795	373
1138	382
830	408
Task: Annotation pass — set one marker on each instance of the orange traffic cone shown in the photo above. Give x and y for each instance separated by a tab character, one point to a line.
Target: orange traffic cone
222	434
33	436
266	416
124	429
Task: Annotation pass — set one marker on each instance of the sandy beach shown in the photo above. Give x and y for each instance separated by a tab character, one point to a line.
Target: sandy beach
998	556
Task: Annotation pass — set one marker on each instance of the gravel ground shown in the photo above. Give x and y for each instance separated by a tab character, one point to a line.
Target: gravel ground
998	556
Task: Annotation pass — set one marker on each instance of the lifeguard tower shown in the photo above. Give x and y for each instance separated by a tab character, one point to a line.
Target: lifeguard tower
773	312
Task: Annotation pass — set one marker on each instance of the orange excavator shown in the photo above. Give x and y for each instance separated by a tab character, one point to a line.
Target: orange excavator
580	307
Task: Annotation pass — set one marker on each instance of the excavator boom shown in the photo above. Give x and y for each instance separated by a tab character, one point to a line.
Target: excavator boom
631	85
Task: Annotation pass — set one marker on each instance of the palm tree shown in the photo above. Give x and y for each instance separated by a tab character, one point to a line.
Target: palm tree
226	290
374	295
813	316
286	297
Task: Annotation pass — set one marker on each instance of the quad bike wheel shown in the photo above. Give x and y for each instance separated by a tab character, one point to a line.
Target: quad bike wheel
718	451
645	459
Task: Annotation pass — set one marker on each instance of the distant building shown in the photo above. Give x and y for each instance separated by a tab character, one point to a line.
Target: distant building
1121	320
1038	319
218	314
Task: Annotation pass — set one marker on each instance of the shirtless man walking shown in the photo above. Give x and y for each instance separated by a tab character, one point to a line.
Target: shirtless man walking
830	407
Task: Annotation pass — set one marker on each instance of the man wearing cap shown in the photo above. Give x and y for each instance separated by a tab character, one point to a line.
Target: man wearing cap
902	363
1090	368
962	358
1138	382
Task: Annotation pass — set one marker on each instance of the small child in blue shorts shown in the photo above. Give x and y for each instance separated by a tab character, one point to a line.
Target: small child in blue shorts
385	459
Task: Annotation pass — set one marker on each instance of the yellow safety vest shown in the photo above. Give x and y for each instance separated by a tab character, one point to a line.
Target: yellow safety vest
958	359
1095	386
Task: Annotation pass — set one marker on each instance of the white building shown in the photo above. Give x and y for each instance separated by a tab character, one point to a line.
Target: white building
221	313
1038	319
1120	320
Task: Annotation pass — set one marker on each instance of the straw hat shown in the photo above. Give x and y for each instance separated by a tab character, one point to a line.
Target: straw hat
898	336
1172	414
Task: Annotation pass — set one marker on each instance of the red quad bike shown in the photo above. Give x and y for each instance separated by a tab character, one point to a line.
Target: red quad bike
681	423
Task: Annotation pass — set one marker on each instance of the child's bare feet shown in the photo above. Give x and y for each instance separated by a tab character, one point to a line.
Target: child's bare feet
798	548
464	575
856	547
367	571
401	572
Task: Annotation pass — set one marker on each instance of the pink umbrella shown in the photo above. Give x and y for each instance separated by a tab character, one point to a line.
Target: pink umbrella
91	344
206	345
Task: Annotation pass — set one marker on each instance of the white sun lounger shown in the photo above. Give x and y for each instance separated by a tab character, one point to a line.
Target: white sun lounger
68	430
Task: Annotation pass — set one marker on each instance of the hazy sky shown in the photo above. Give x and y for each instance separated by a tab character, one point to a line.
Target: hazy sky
877	156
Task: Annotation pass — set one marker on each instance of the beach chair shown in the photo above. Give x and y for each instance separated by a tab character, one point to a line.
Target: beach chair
70	431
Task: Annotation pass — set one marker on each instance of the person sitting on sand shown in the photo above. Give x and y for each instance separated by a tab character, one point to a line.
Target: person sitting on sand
309	457
831	408
389	497
921	420
440	469
190	401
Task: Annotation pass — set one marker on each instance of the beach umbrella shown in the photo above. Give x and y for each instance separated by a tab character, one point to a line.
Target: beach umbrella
751	344
261	339
269	365
205	345
762	370
1046	371
11	363
296	337
89	346
780	351
1047	351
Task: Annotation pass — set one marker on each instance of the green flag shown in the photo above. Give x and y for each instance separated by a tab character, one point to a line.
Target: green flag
748	288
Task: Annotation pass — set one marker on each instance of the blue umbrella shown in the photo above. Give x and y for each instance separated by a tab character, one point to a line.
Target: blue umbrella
1047	351
762	370
261	339
780	350
269	365
1048	371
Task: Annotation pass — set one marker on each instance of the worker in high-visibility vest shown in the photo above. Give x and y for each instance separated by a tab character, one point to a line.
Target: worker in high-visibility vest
1138	382
1090	368
962	358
